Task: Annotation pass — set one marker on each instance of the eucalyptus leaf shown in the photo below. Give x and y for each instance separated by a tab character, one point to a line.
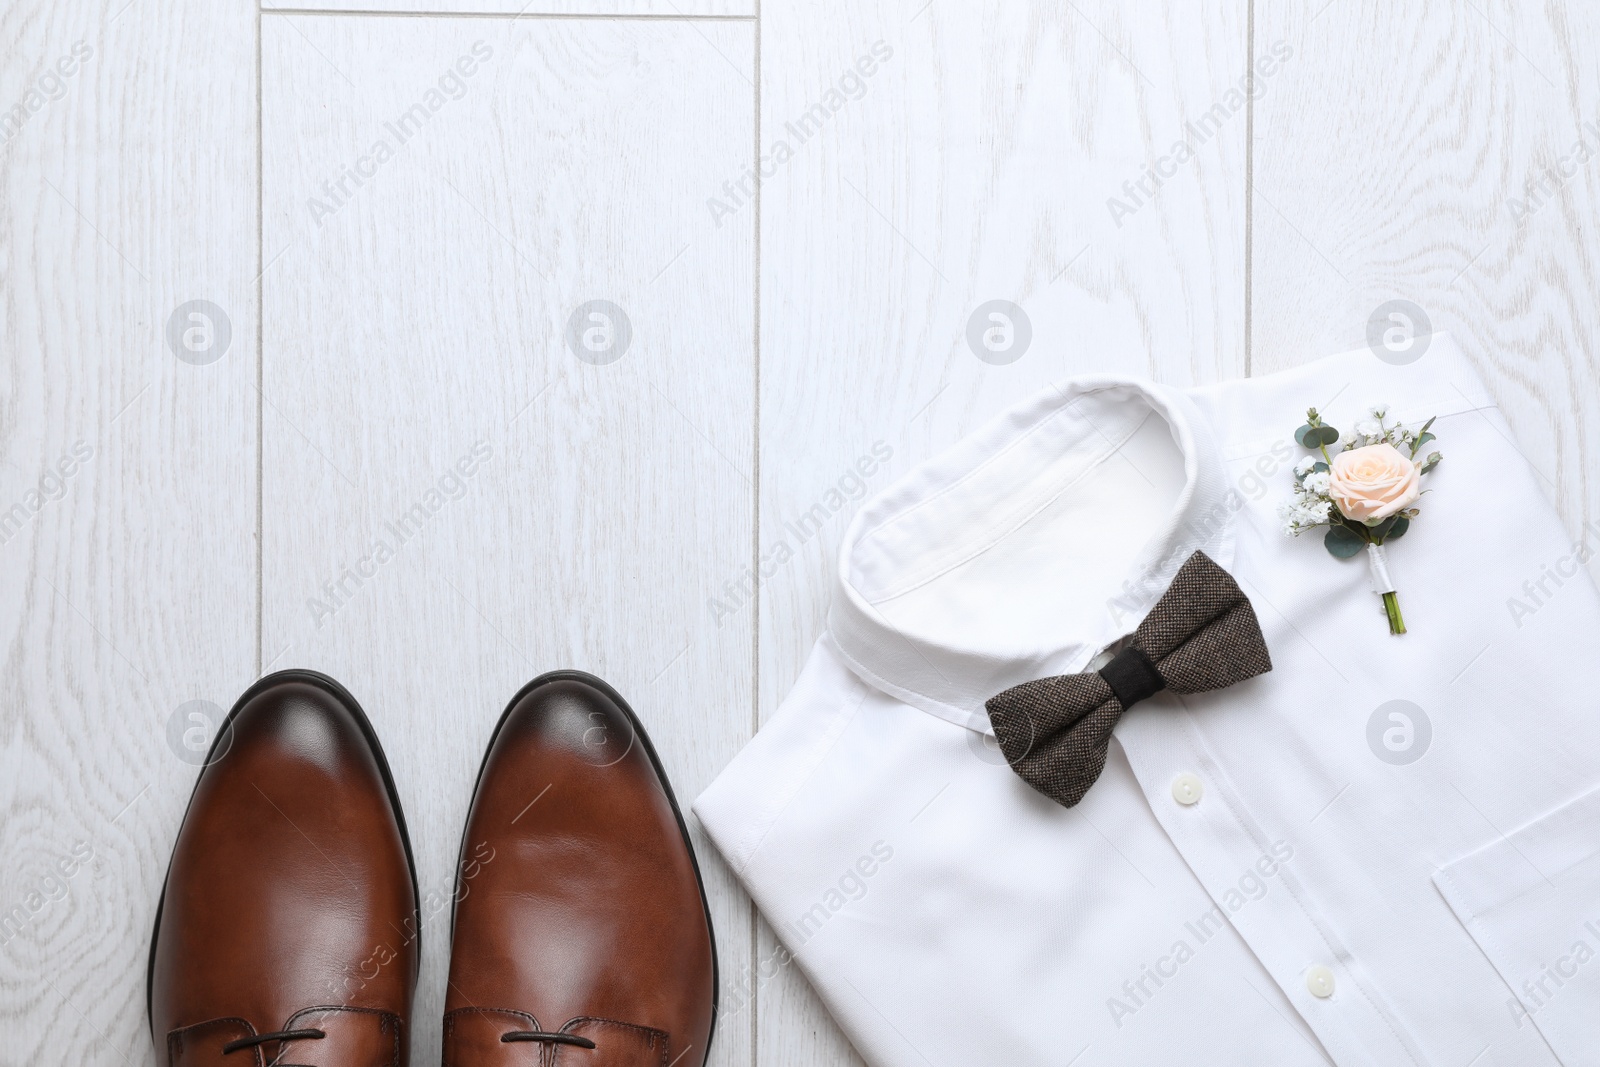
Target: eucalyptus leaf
1401	525
1433	461
1381	529
1343	542
1323	435
1318	467
1302	436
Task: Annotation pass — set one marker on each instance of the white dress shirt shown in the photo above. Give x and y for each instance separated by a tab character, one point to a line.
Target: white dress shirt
1384	851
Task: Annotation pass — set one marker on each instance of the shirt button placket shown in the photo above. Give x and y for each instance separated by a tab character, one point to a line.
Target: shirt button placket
1319	979
1187	789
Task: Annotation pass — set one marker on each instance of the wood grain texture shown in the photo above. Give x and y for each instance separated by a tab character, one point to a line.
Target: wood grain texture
547	512
975	163
1437	155
127	484
934	157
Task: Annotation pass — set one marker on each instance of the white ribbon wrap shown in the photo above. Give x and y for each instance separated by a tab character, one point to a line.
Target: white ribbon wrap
1378	563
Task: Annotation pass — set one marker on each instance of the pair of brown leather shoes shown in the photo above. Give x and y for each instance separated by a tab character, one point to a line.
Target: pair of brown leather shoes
288	931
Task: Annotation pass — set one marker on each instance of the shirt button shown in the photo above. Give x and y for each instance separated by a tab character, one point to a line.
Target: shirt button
1319	980
1187	789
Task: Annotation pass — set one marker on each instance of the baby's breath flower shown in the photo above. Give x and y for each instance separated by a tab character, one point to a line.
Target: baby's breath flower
1304	512
1315	512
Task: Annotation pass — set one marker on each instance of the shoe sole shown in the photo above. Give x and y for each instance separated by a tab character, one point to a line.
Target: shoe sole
340	693
642	735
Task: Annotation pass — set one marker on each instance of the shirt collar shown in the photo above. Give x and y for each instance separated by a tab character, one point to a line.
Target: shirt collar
953	509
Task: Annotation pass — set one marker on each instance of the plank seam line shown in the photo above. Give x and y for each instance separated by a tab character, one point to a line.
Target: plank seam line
755	504
507	16
261	355
1249	187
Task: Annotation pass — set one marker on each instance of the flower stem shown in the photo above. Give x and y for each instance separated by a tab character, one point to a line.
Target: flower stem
1391	608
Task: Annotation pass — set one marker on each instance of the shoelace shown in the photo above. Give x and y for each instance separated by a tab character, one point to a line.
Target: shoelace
276	1035
548	1038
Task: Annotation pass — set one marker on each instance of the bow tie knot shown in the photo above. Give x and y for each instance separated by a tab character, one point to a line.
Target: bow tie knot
1201	635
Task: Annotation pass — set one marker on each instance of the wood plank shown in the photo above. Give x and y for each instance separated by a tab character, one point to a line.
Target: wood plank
1417	155
976	162
127	483
547	510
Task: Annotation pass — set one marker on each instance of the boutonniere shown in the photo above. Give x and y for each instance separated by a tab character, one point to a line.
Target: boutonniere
1363	491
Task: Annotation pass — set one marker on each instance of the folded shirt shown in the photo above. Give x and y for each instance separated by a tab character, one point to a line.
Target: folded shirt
1384	851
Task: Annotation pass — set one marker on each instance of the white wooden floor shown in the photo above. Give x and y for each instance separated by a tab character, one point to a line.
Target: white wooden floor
398	443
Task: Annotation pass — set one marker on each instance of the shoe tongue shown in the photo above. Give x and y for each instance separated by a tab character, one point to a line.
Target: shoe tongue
356	1037
472	1037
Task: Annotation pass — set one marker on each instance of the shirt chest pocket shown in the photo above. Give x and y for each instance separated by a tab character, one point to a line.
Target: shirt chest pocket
1531	901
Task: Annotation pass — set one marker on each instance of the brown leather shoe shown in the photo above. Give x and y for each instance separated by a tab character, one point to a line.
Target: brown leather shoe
581	926
287	928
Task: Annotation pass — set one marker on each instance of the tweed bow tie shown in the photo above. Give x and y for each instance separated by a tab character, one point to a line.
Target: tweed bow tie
1202	634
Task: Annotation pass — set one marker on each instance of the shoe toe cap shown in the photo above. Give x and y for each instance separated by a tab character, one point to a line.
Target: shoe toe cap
568	716
289	869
